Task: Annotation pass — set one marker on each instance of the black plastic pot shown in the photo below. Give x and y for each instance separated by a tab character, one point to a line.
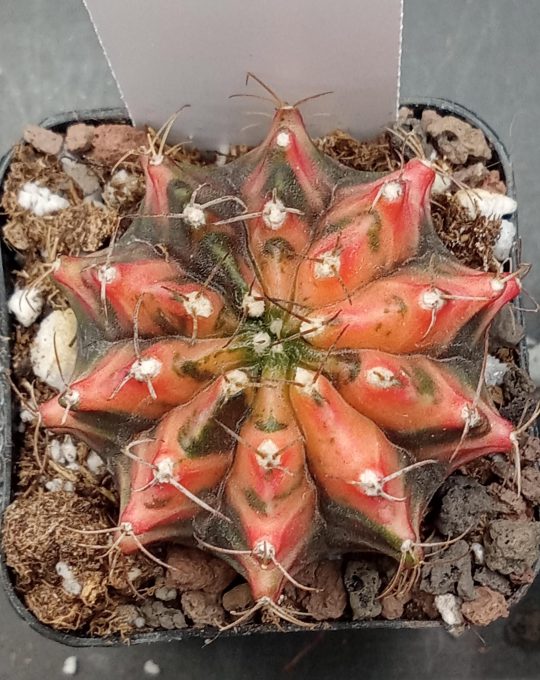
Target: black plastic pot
59	123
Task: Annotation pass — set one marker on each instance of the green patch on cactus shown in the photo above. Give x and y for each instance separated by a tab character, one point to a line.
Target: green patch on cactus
221	247
334	226
255	501
374	234
279	248
190	368
271	424
282	179
424	383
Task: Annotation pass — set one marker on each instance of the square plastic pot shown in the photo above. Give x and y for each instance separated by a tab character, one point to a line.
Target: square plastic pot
8	454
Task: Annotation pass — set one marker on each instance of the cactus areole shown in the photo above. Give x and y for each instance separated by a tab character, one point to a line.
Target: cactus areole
280	359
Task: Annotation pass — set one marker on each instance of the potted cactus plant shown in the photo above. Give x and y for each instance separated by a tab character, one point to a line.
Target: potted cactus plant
280	363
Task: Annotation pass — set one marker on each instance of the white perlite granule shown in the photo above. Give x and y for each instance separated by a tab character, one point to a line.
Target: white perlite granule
95	463
495	371
26	305
69	582
448	607
503	245
480	202
40	200
58	329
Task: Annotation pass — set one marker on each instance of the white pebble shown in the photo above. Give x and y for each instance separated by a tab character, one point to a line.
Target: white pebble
55	451
40	200
58	484
27	416
134	573
70	666
54	485
441	184
60	328
480	202
63	451
495	371
448	607
94	463
443	181
69	582
151	668
503	245
69	449
121	187
477	550
26	304
166	594
534	360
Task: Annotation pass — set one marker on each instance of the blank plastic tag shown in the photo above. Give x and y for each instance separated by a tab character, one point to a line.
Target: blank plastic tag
167	53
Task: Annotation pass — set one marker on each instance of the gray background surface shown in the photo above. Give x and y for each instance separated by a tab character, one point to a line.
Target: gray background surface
484	54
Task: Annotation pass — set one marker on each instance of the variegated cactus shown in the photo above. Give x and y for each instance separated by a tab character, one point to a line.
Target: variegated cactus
281	359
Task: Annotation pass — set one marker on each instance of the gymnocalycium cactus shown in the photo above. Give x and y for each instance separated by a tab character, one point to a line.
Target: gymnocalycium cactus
281	359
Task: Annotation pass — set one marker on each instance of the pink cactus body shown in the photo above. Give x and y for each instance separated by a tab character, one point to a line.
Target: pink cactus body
281	359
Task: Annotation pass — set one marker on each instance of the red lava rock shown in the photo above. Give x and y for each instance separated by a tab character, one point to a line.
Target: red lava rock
450	573
393	606
494	183
238	598
79	137
195	570
203	608
510	503
512	546
493	580
43	140
157	615
487	606
363	582
455	139
523	578
330	598
530	449
111	142
472	175
426	603
82	176
530	484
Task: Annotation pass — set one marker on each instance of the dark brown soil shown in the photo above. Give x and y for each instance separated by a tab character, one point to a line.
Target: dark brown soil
108	593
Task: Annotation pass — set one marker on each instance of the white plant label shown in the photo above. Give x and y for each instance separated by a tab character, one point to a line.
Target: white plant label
168	53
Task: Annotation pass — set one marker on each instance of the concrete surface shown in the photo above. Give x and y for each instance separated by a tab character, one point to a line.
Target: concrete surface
484	54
